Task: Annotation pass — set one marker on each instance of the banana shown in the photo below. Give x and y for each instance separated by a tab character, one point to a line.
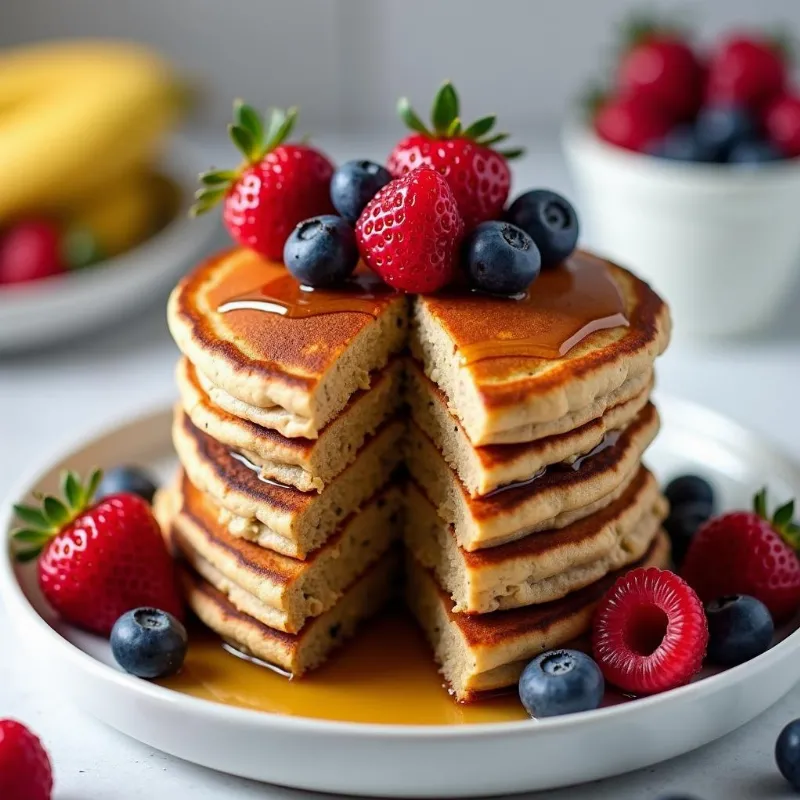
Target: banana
75	117
125	213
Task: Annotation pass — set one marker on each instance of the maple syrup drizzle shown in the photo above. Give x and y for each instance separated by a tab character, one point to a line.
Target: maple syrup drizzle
363	293
609	440
562	307
255	468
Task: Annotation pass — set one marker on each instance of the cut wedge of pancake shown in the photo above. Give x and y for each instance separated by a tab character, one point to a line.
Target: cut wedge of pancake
306	464
296	653
483	469
277	590
559	497
499	394
308	365
541	567
282	518
487	652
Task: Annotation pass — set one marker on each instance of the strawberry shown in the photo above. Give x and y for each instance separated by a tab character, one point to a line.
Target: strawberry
746	71
277	186
745	552
478	175
410	231
650	632
30	250
25	770
661	67
632	122
95	562
782	124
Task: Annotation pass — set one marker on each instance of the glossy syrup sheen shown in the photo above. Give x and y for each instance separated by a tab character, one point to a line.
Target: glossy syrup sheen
384	675
562	307
283	295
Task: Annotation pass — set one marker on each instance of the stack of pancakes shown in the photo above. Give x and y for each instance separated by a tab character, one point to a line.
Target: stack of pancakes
522	494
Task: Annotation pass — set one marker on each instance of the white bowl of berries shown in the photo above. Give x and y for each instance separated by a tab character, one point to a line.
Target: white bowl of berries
691	174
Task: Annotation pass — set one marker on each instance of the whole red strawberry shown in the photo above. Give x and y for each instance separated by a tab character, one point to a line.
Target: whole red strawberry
30	250
25	771
782	124
649	632
478	175
661	67
278	186
746	71
410	231
97	561
632	122
744	552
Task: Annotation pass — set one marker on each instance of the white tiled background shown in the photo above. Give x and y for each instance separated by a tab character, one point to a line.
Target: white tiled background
345	62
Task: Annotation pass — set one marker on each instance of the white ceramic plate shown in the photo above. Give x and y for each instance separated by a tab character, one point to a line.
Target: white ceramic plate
41	312
412	761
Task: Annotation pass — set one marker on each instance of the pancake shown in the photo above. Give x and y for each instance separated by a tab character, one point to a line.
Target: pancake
296	653
279	591
541	567
497	394
308	365
306	464
282	518
483	469
487	652
559	497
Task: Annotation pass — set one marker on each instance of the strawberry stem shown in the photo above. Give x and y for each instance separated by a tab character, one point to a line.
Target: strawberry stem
446	122
253	140
39	525
782	521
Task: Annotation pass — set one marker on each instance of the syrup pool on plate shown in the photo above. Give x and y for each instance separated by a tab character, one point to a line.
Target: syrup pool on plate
385	674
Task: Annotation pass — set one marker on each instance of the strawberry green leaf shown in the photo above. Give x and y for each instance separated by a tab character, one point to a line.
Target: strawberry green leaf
276	119
496	139
760	504
32	517
286	128
217	177
244	140
56	511
445	108
91	486
71	489
28	536
480	127
454	129
783	516
247	117
512	153
410	118
206	199
27	555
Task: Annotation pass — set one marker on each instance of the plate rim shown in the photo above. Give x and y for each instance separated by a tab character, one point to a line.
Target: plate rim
15	598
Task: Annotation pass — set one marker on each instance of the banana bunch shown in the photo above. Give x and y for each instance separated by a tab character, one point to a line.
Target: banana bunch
77	120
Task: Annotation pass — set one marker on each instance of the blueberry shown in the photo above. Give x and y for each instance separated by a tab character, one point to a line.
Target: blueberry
149	643
128	480
753	153
690	489
354	184
739	628
501	259
682	144
787	753
561	682
682	524
720	128
549	220
321	251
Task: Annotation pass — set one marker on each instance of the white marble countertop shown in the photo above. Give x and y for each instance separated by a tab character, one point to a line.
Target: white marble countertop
51	398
